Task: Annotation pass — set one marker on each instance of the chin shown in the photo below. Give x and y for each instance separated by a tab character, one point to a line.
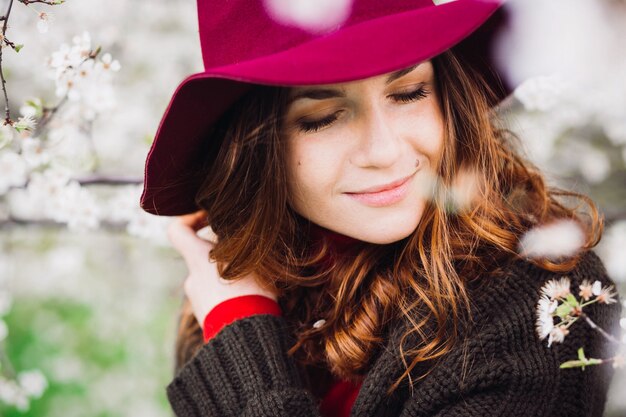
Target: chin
383	236
385	230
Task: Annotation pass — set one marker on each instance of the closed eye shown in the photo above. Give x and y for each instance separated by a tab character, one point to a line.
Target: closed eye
414	95
309	126
315	125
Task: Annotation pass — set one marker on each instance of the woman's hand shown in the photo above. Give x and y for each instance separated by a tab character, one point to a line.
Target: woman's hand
203	286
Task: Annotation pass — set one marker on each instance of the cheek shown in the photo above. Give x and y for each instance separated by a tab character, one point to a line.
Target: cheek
312	171
429	139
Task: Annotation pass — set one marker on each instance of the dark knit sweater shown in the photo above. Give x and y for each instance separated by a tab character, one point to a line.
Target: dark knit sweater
337	396
500	368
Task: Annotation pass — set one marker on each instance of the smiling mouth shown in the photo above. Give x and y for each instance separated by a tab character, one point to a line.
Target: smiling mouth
384	195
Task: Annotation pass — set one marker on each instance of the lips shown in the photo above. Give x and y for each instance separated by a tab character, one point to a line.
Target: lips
384	195
385	187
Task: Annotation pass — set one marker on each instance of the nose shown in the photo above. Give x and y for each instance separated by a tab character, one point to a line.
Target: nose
378	145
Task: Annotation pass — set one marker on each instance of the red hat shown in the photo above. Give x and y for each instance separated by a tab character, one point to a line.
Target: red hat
243	43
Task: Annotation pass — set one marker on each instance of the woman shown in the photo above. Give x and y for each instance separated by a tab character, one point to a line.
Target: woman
347	275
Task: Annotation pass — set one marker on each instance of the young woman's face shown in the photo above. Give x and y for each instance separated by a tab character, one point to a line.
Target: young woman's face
357	152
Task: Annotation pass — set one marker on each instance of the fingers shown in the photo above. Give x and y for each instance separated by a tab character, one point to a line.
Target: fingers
182	234
196	220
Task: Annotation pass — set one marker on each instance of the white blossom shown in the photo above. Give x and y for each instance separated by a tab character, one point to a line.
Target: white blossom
124	204
44	21
7	133
615	130
319	323
149	226
589	95
557	335
538	43
108	63
70	147
310	15
12	394
587	289
556	288
545	323
42	194
596	288
607	295
47	186
594	165
561	238
85	81
464	190
25	123
540	93
28	110
13	171
34	153
77	207
33	382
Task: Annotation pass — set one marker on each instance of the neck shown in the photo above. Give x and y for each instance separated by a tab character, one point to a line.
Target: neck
337	241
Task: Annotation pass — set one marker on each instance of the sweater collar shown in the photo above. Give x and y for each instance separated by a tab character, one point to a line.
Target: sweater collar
338	242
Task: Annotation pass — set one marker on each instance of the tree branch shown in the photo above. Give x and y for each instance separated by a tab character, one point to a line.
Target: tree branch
16	222
48	2
108	180
7	113
599	329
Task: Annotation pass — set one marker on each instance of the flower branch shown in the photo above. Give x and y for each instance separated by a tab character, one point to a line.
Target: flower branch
48	2
15	47
557	301
5	18
599	329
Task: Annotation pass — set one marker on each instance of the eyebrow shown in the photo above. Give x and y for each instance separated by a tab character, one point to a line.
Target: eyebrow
324	93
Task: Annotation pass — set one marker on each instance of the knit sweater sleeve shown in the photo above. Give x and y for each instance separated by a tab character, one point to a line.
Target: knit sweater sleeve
503	369
243	371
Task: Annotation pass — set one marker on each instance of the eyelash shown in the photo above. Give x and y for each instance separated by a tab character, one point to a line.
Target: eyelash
314	126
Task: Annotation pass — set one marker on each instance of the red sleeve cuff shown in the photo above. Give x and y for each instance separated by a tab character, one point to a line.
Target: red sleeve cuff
235	308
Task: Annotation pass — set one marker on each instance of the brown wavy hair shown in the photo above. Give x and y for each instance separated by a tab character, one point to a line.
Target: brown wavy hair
422	279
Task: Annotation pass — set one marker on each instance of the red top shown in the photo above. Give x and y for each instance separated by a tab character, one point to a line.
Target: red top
338	400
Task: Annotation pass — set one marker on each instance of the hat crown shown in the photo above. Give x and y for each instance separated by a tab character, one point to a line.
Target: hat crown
240	30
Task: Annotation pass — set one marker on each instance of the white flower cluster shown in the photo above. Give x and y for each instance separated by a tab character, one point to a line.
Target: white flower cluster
84	80
13	171
558	301
124	207
29	384
36	168
52	195
571	83
43	21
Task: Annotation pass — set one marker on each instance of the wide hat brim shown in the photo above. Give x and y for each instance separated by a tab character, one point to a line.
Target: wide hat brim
363	50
